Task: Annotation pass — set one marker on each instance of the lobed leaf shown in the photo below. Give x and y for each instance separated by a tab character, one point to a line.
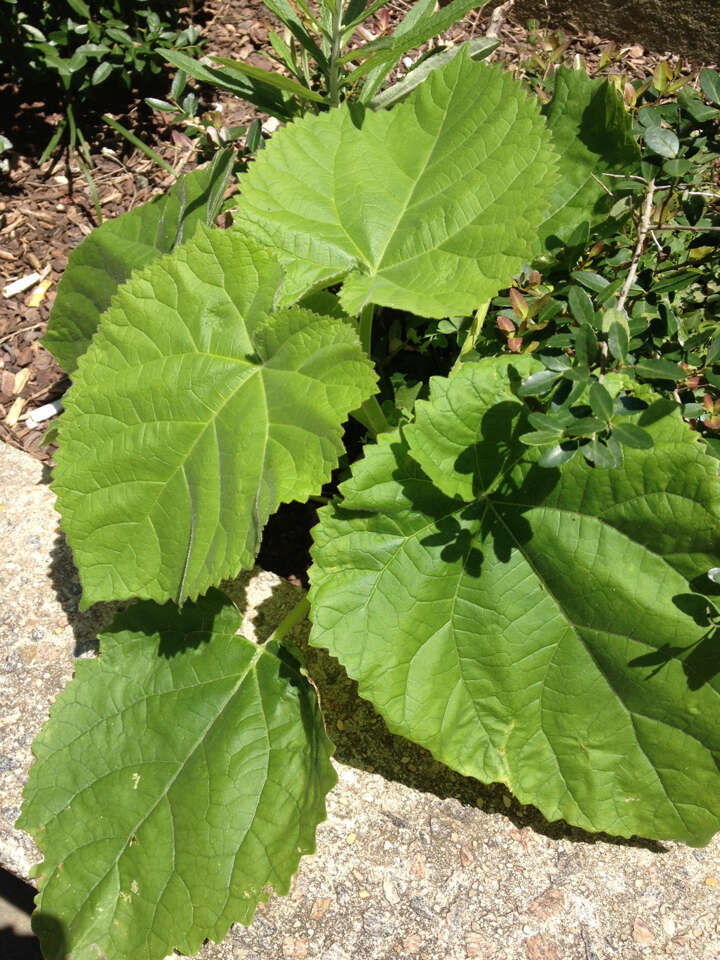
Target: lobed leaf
179	776
194	414
430	207
107	257
541	627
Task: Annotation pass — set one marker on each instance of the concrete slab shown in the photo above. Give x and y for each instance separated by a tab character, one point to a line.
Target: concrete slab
413	861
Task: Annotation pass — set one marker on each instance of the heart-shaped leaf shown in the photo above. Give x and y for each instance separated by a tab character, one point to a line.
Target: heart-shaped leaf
194	414
179	776
430	207
539	627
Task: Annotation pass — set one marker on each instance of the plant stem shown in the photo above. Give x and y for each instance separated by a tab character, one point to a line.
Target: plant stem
370	414
680	226
334	86
136	142
642	234
298	613
365	323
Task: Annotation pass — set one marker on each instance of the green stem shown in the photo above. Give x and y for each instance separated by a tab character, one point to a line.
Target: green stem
365	324
473	333
70	114
298	613
131	138
335	51
370	414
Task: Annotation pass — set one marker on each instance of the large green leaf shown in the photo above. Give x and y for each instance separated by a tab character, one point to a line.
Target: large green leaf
544	628
430	207
179	776
592	132
194	414
107	257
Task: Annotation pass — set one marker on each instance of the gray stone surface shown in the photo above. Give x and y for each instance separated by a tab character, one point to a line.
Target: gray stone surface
687	27
413	861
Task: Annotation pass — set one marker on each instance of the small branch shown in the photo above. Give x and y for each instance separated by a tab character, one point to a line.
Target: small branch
498	18
678	226
606	189
702	193
662	186
642	235
625	176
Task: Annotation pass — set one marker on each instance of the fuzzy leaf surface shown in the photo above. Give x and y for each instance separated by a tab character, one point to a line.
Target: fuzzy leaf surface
592	133
430	207
194	414
107	257
179	775
540	627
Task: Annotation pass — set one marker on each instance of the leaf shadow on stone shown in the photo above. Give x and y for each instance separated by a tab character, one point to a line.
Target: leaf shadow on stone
16	945
85	624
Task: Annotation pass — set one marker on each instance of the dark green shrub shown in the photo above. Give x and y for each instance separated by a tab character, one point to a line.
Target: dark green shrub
74	52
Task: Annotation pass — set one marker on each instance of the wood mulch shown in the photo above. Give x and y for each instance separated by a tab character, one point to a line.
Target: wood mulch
46	210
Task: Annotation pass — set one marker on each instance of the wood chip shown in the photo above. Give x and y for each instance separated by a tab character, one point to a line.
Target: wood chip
10	227
7	383
14	413
38	294
21	285
22	378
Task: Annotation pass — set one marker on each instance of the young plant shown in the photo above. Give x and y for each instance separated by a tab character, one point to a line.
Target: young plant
549	625
320	52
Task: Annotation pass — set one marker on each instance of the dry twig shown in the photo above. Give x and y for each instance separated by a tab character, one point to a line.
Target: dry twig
642	235
498	18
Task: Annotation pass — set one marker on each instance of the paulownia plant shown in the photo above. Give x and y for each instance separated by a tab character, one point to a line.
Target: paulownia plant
539	621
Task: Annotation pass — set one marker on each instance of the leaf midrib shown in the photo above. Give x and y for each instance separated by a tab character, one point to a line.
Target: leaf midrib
577	629
241	677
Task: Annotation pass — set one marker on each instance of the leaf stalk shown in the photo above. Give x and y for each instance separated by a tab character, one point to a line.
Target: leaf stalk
298	613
